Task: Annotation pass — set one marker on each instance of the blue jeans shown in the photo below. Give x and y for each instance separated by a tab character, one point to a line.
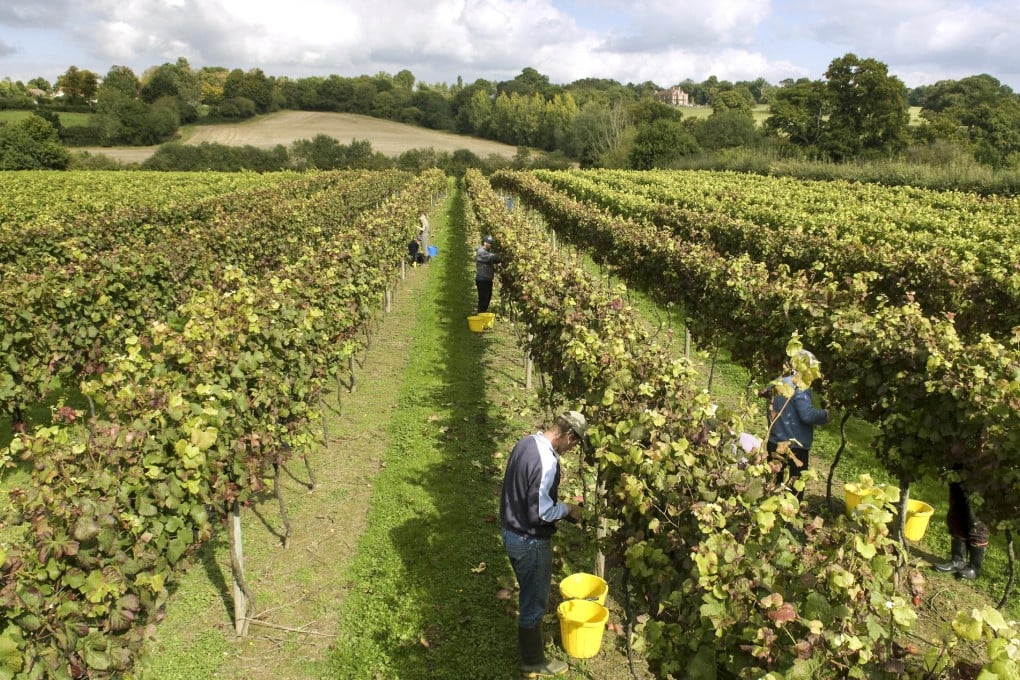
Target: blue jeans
531	559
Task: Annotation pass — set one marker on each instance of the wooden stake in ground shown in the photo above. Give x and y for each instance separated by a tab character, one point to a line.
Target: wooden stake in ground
244	602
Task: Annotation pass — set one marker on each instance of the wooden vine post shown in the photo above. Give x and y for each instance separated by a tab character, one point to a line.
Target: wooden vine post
835	460
244	601
904	504
529	363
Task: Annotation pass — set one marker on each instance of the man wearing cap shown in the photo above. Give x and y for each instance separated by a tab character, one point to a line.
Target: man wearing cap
529	511
485	258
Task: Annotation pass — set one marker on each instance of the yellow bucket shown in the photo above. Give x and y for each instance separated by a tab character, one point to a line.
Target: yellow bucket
476	323
918	515
583	586
582	625
489	318
853	499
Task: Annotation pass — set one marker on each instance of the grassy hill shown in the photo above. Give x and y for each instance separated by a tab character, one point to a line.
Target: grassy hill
286	127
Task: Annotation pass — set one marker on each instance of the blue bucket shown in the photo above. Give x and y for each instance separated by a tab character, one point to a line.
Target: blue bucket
433	250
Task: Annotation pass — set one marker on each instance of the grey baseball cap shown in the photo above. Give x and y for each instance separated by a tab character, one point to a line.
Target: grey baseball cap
580	427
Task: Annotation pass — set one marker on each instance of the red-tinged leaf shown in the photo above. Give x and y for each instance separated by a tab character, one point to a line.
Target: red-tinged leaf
784	614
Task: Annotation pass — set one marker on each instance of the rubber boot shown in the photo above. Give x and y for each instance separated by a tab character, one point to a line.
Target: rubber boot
533	661
972	570
959	559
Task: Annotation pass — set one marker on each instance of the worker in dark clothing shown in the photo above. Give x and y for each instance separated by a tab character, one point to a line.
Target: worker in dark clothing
529	511
485	258
414	252
969	536
793	417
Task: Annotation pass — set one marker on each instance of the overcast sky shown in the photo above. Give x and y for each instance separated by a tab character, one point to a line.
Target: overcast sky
665	41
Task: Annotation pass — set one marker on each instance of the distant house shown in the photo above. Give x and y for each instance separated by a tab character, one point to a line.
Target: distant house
675	96
36	92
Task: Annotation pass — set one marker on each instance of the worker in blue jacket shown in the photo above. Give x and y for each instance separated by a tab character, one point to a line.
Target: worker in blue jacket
793	416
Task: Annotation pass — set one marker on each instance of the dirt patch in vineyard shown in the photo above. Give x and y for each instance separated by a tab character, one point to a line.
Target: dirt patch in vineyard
286	127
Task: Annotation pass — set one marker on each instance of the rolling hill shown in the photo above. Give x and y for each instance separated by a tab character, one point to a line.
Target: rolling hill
285	127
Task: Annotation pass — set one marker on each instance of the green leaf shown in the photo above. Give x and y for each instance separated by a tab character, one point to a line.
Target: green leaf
968	626
96	587
11	659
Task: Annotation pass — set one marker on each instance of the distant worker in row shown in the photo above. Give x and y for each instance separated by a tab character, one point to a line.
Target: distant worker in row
485	272
414	251
423	232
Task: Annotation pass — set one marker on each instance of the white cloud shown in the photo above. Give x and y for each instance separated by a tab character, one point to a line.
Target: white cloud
660	40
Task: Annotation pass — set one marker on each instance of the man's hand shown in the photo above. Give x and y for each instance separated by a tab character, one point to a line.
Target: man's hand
574	515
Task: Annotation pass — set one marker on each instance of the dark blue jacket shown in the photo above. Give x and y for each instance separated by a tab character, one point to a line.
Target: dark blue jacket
484	259
528	502
794	422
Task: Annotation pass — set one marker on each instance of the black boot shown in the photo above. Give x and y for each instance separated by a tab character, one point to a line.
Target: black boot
959	560
533	661
972	570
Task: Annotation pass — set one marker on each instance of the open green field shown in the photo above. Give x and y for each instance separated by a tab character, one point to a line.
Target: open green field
760	113
66	118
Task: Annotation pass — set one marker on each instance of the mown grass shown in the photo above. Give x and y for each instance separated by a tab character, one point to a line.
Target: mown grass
430	563
67	118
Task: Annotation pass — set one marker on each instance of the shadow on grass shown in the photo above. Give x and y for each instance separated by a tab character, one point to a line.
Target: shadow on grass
446	619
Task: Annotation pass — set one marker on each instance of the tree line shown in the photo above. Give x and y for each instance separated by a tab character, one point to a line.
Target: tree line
857	111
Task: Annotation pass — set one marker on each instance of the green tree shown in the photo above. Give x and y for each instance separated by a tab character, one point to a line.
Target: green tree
121	79
363	95
31	144
660	143
41	84
161	82
501	120
336	93
978	112
321	152
528	82
79	86
235	108
386	105
435	111
648	110
598	130
739	100
253	86
475	116
727	129
557	121
869	109
404	80
799	111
